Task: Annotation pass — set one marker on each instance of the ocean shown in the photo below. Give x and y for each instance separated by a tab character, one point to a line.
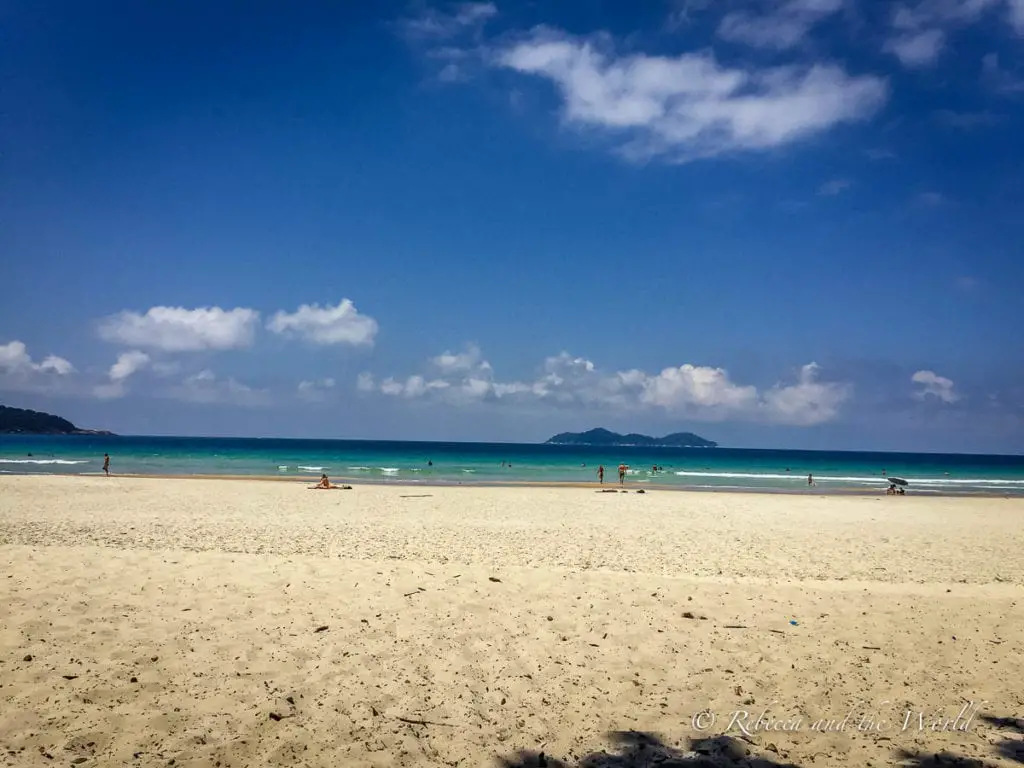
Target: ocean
358	461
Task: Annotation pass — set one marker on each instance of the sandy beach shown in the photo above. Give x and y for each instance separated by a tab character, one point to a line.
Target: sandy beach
226	623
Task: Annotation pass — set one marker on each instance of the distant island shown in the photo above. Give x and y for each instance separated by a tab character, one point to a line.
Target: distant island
601	436
19	421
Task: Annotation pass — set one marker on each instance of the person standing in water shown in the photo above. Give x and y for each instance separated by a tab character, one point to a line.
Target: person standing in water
622	474
810	480
600	474
106	464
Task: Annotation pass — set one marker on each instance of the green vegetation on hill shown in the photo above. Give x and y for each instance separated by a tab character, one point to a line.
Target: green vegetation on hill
26	422
601	436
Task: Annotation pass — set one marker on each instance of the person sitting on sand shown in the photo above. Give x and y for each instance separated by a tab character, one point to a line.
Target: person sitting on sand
324	483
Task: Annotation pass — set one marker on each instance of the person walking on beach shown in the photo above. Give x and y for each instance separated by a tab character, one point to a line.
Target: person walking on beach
622	474
106	464
600	474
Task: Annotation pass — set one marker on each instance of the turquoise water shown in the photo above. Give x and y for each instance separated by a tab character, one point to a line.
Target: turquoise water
421	462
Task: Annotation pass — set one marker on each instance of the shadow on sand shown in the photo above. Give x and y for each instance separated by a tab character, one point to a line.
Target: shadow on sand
1009	749
635	749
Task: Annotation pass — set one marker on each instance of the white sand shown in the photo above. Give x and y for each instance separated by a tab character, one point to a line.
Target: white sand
209	593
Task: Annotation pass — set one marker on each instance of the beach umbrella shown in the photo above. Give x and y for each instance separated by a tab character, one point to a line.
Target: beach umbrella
898	481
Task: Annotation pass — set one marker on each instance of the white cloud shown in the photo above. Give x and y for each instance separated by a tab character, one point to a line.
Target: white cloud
58	365
436	25
126	365
327	325
455	362
316	390
833	187
999	79
784	27
688	391
567	379
690	387
687	107
391	387
706	393
930	13
920	30
14	358
917	49
933	385
206	387
19	371
681	13
414	386
1017	15
176	329
449	39
807	402
460	376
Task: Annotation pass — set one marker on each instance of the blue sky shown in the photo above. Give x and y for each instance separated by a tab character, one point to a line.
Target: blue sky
786	224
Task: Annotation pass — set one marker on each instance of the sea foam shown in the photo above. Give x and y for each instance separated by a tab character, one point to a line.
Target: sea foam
43	461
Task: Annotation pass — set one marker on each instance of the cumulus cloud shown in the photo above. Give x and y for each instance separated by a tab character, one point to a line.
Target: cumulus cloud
689	106
176	329
698	388
784	27
58	365
341	324
686	391
807	402
126	365
207	388
933	385
14	358
455	362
